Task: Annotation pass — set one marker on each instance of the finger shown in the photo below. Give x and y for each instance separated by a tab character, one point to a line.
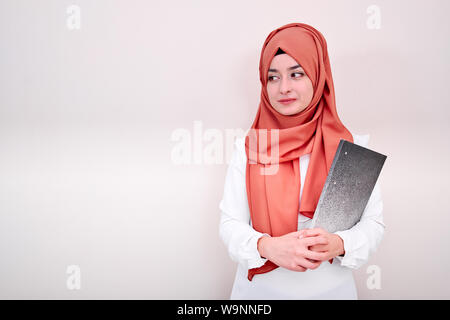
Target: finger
316	256
301	234
297	268
319	248
313	232
309	264
296	234
311	241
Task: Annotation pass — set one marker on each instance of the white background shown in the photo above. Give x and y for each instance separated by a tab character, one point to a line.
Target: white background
87	115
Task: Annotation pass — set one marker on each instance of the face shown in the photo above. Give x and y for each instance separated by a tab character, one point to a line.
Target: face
287	80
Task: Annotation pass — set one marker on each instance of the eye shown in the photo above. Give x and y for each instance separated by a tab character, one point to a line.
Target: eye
271	78
300	73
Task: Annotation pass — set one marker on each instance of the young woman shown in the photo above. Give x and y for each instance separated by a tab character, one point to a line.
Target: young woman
266	216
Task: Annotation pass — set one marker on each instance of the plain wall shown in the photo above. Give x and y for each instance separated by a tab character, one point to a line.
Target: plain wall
87	117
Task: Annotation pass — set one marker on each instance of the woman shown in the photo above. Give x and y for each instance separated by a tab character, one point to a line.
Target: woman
266	214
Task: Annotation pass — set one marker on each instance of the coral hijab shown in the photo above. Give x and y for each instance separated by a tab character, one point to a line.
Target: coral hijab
274	198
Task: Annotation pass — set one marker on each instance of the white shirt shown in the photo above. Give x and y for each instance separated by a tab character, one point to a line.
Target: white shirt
328	281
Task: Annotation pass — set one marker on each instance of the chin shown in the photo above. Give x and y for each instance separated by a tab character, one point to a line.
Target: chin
288	110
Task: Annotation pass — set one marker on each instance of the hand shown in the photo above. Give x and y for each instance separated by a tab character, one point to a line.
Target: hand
333	248
291	252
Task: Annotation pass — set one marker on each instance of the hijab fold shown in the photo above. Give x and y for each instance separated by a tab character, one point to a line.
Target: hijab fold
273	187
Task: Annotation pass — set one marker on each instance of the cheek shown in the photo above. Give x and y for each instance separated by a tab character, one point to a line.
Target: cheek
271	91
305	88
305	91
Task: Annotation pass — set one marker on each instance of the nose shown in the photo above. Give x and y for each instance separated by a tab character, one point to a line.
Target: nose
285	86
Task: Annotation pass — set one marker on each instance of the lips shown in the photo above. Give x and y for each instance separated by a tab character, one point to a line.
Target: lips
286	101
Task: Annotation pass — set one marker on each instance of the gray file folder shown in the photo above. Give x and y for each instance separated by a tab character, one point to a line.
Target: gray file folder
348	187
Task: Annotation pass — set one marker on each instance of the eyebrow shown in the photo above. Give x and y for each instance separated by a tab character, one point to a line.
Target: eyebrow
290	68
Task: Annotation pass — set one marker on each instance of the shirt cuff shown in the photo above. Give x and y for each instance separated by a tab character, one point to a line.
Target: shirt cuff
255	260
347	260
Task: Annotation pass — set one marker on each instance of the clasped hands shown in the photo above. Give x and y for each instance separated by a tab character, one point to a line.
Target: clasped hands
301	250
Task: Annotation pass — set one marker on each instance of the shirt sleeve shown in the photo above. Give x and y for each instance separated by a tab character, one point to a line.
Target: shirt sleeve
235	227
362	239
